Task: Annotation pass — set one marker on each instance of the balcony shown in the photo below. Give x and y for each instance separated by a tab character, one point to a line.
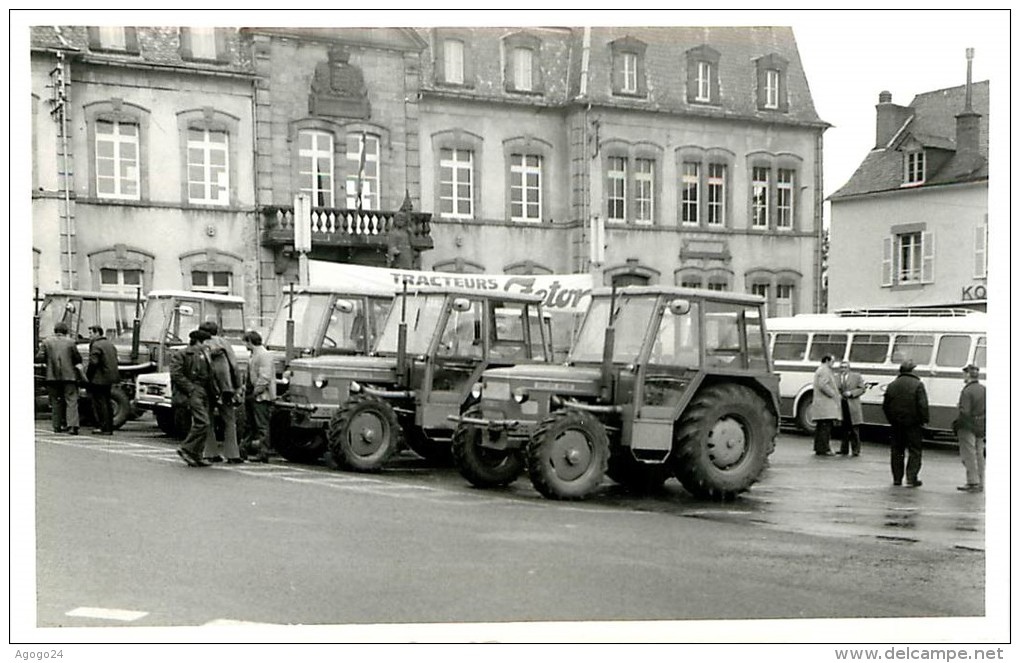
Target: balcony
343	228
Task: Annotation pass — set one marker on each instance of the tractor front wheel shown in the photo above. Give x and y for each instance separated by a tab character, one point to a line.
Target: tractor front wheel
567	455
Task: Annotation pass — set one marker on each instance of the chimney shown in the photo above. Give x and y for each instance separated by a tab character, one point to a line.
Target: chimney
968	123
889	118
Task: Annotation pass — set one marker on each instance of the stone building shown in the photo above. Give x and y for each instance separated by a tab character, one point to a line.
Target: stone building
910	227
698	150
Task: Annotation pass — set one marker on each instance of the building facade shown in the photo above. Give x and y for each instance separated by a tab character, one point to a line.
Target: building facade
910	227
695	153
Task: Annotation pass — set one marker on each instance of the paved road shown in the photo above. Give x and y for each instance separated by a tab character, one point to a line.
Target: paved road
126	534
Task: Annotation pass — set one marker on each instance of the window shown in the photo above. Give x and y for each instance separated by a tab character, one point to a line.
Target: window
208	175
762	290
456	192
644	190
828	344
981	352
127	281
914	167
214	282
453	61
771	88
916	347
784	199
629	63
202	44
869	348
981	252
718	285
117	169
690	181
526	188
908	256
628	67
616	190
523	61
760	197
363	187
784	300
113	38
953	351
315	166
704	82
691	282
716	194
789	347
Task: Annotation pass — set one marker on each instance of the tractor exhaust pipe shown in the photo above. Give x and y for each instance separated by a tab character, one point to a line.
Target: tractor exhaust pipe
136	327
289	352
606	389
402	339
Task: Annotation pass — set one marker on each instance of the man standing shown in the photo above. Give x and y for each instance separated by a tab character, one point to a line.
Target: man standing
227	381
905	405
261	392
824	406
102	373
970	429
851	388
62	360
191	380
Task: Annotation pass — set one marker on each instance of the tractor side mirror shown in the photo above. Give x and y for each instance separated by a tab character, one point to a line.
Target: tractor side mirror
344	305
461	304
186	310
69	307
680	307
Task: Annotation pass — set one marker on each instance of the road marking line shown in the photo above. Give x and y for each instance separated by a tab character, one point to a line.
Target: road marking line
107	613
238	622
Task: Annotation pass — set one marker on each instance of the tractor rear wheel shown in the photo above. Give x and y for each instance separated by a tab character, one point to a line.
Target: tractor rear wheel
722	441
567	455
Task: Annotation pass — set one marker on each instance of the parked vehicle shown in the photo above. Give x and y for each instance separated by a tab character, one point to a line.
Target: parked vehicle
118	314
314	321
876	342
169	316
433	348
660	381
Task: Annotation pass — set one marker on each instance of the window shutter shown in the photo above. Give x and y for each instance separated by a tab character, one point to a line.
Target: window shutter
508	67
440	60
536	68
130	40
981	252
927	257
469	63
887	261
222	54
714	87
94	42
185	43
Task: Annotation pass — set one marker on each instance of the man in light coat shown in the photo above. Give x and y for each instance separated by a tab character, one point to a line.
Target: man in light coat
62	359
261	392
825	406
851	388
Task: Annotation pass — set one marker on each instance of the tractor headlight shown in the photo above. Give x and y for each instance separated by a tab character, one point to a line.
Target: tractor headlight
520	394
287	375
355	388
476	390
320	382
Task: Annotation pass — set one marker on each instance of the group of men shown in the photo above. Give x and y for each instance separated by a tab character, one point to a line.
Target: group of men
905	405
206	379
65	370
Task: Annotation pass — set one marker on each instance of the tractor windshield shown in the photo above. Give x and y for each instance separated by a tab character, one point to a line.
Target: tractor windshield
631	320
308	311
422	315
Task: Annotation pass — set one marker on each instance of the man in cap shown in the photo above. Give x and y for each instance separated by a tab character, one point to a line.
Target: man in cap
905	406
102	373
63	362
970	429
191	383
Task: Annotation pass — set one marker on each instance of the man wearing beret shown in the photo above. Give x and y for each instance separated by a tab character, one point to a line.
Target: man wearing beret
905	405
191	382
970	429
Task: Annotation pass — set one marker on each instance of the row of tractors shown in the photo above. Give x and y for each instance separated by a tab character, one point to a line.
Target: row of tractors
659	382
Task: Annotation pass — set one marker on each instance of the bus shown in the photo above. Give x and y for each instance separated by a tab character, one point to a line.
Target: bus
876	341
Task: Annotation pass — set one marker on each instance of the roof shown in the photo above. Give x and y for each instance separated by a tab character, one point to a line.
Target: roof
677	291
93	294
195	296
828	322
933	126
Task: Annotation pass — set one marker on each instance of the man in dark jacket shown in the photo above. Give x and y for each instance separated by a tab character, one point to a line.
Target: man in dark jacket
226	376
62	358
970	429
906	408
102	373
191	379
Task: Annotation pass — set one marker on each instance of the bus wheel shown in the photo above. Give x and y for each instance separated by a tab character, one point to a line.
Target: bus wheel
804	422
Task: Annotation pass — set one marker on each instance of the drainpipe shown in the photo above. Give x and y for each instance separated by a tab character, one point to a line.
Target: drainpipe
586	171
819	302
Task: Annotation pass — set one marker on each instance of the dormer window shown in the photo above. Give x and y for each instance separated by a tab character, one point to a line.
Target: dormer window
913	167
771	88
703	75
772	94
523	63
453	61
629	67
453	58
113	38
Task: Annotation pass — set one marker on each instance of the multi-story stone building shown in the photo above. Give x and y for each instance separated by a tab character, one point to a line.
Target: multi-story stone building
910	227
697	149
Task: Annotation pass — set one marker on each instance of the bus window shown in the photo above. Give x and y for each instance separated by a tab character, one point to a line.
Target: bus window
915	347
789	347
828	344
980	352
953	351
869	348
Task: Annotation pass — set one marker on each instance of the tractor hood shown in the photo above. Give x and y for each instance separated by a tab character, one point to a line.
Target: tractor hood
366	369
579	380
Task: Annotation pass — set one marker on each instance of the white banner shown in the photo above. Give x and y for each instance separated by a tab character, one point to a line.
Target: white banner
568	293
